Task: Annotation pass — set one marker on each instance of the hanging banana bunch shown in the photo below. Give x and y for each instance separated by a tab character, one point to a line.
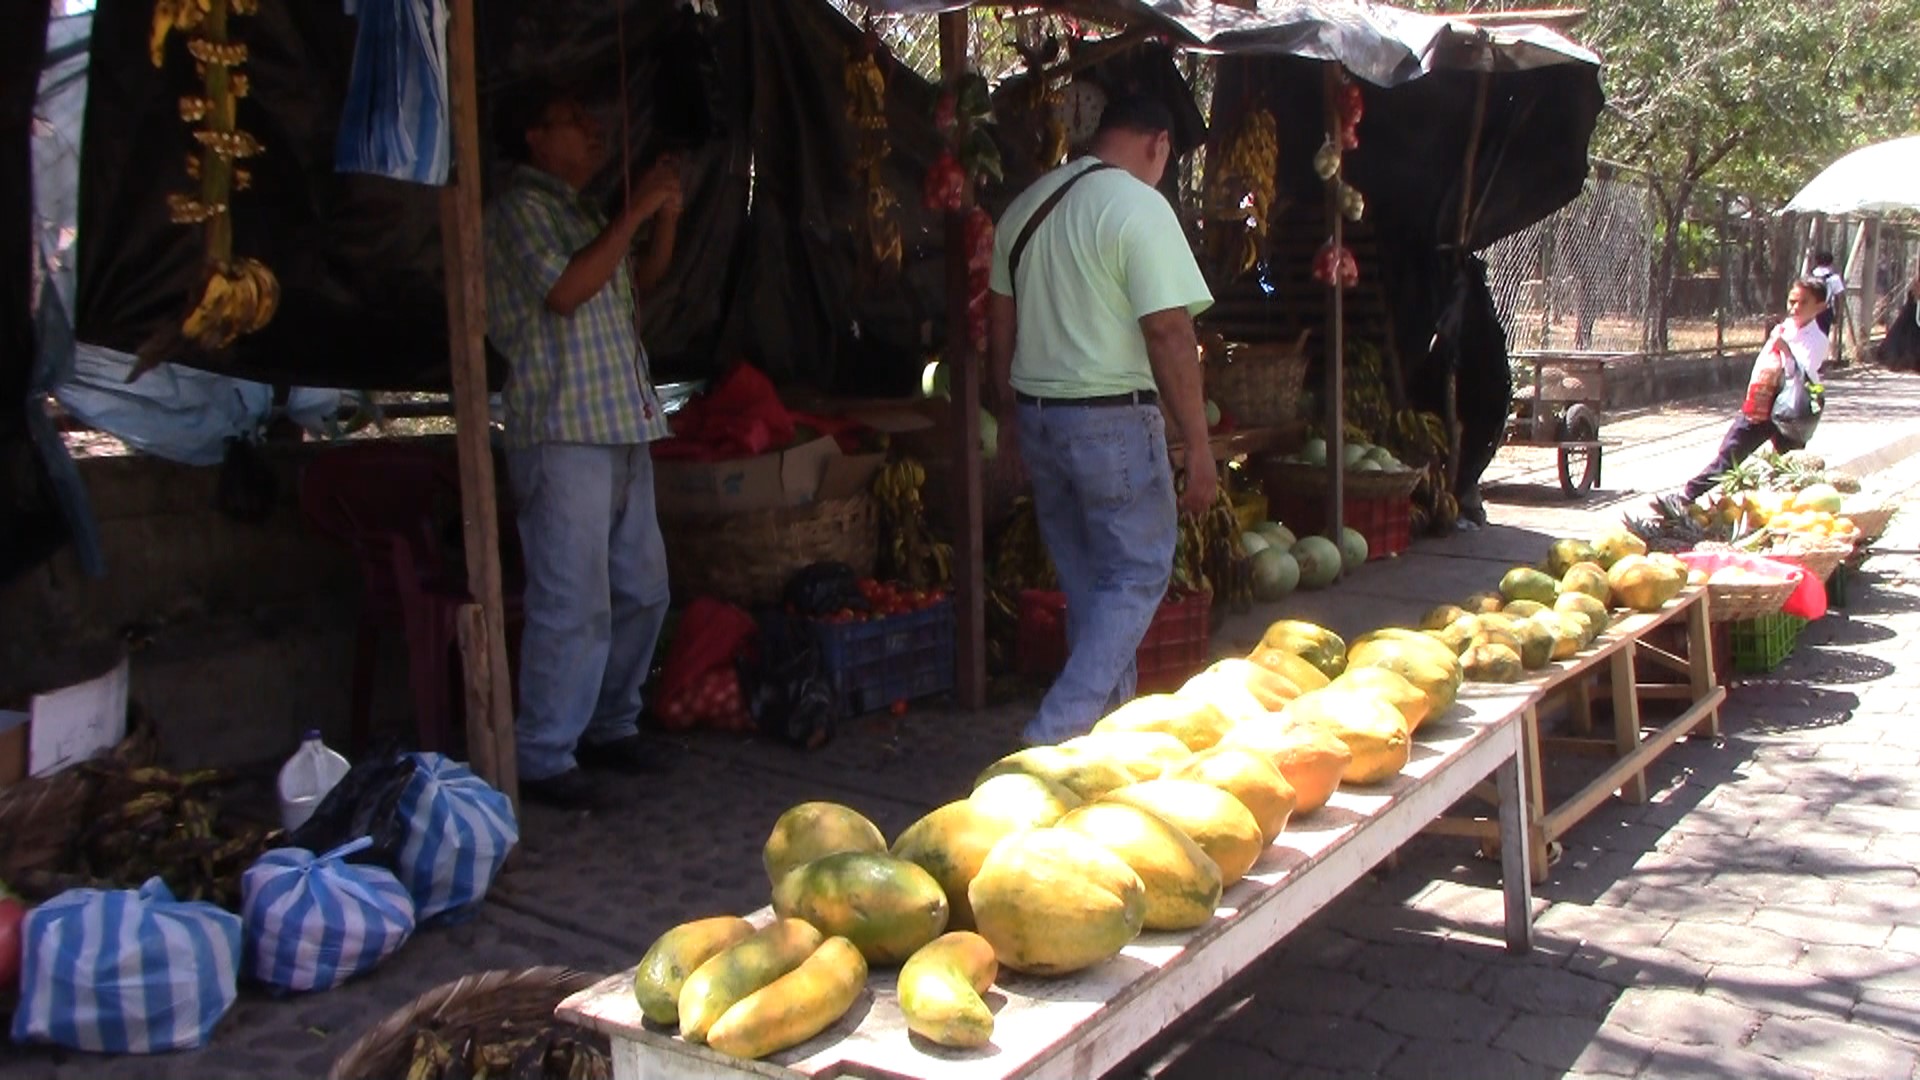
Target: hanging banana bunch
1420	439
908	552
1021	560
1241	187
236	296
866	110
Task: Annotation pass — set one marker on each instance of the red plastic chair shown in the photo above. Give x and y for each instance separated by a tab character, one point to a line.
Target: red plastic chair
376	499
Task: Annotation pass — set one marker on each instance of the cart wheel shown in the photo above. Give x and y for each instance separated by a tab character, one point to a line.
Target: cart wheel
1580	465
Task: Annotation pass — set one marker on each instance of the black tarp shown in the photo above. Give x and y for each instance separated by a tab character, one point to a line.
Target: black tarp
31	524
359	257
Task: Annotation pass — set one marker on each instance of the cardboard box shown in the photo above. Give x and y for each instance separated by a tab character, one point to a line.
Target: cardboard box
795	476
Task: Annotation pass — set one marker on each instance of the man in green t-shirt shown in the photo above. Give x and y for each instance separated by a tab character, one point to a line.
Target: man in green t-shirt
1094	290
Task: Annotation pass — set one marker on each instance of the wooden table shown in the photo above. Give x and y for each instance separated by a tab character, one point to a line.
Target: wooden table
1085	1024
1630	746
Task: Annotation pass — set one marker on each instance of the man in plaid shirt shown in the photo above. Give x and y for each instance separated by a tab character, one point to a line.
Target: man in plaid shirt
580	412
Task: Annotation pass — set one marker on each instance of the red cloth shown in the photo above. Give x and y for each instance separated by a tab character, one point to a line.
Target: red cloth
740	416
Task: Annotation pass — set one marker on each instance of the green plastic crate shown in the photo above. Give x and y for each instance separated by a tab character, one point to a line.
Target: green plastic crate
1762	644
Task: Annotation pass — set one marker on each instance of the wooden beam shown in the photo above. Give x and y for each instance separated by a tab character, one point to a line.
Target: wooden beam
1335	382
963	364
489	693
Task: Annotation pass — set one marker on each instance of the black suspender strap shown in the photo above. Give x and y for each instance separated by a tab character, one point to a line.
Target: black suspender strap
1040	215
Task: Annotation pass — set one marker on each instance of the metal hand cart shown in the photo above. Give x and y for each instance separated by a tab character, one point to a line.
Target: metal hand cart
1559	406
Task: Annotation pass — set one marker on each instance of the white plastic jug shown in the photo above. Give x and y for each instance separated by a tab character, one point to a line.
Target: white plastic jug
306	778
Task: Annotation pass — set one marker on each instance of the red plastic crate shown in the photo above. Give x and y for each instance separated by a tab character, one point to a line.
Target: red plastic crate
1386	523
1174	649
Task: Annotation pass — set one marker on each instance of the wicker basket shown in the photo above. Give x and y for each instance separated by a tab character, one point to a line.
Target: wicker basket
1259	385
483	1000
1732	602
747	558
1821	558
1294	476
1872	521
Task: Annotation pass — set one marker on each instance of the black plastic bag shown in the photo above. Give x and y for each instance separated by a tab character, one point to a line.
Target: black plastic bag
824	588
790	694
366	802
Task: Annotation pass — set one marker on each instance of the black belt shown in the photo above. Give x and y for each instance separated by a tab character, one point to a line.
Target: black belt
1137	397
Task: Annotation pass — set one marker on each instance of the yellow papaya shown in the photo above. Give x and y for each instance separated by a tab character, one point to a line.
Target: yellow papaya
1289	667
1195	722
1222	826
1143	754
812	829
1023	800
1088	776
1389	686
950	843
887	906
794	1007
1248	776
674	955
1311	760
1051	901
1183	882
1373	730
941	989
740	969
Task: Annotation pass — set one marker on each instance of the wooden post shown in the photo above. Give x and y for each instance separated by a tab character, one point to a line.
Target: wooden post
489	694
1869	289
963	364
1335	383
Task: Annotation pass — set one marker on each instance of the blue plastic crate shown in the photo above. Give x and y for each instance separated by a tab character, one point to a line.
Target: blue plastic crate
899	658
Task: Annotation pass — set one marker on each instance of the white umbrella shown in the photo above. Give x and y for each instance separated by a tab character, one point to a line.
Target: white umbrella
1878	179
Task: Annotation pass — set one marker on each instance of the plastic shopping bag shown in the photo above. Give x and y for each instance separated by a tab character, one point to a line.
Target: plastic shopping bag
313	922
125	971
459	831
1797	408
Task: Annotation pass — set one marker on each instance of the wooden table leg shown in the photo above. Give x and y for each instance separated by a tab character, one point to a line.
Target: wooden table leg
1535	803
1582	705
1516	876
1626	721
1700	673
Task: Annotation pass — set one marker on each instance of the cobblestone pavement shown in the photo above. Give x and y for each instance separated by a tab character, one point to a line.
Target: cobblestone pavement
1756	918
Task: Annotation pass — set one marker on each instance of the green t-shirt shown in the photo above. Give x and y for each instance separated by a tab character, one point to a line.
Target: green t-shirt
1111	252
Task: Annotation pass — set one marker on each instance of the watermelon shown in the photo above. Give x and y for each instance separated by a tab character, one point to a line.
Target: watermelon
1319	562
1275	574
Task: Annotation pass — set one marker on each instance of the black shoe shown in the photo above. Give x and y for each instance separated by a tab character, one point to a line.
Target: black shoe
571	790
629	754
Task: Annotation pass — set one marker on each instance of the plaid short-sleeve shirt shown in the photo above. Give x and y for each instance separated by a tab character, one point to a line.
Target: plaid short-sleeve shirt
579	378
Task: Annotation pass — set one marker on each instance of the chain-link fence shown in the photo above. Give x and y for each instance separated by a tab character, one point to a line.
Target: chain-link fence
1589	278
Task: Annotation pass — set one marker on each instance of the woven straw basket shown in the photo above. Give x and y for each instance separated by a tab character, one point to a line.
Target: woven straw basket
746	559
1733	602
1821	558
1872	521
1259	385
481	1000
1295	476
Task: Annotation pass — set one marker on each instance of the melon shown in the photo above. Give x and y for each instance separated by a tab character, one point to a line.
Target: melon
1275	574
989	436
1252	543
1314	452
1353	548
1277	535
1354	453
1820	498
1319	562
1213	414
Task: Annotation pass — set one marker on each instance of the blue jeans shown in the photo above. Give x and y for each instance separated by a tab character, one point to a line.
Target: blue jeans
596	596
1103	497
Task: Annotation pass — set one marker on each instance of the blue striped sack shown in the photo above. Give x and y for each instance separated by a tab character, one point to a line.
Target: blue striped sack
313	922
459	831
394	122
126	972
